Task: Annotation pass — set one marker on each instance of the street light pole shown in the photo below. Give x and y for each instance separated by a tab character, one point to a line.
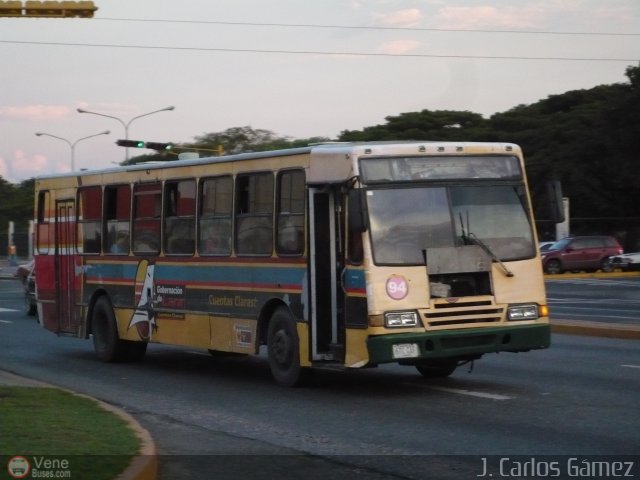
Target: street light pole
126	124
72	145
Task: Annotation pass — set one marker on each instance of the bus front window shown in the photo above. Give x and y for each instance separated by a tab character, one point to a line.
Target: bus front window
406	221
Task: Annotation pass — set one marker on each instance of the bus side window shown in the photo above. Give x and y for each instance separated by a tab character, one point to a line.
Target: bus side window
90	215
180	213
146	218
254	214
216	204
290	213
42	233
117	213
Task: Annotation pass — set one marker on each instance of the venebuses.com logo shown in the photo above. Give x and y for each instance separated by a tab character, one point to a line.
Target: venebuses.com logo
18	467
38	467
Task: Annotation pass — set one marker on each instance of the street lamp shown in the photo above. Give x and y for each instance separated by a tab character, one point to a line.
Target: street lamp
126	124
72	144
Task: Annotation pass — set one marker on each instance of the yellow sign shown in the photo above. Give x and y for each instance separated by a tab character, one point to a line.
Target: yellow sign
47	9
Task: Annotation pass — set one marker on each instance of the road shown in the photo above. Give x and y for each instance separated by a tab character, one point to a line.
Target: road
578	398
610	300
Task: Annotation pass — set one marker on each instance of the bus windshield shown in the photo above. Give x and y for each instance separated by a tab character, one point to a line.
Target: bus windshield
406	221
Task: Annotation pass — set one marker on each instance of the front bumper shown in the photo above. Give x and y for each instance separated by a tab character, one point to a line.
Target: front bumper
467	343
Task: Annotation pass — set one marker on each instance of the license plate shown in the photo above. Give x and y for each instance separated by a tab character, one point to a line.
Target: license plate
406	350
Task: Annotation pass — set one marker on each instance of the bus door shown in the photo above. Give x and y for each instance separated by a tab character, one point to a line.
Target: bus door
326	260
64	267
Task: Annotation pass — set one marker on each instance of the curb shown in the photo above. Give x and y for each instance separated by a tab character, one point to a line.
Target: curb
596	329
143	465
568	275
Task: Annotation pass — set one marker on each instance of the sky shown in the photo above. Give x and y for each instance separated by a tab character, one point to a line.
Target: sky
297	68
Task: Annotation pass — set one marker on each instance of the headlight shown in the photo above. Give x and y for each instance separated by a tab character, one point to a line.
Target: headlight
522	312
401	319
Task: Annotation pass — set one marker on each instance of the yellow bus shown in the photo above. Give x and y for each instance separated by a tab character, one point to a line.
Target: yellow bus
331	256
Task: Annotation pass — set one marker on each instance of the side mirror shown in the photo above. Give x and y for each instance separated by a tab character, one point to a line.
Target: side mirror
357	211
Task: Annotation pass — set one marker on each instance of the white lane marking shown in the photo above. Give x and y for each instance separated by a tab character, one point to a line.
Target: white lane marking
470	393
630	366
6	321
2	310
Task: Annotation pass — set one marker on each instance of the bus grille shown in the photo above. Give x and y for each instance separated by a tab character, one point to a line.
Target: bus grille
462	313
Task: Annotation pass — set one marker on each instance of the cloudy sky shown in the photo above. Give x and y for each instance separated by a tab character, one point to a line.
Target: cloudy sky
299	68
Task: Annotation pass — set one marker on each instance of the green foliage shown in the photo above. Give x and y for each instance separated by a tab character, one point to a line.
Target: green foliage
425	125
57	424
585	138
246	139
231	141
17	204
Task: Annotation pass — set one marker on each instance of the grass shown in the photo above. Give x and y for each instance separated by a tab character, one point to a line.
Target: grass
47	423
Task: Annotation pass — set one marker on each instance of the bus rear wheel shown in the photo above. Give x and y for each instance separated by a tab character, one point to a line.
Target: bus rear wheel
106	343
437	368
283	349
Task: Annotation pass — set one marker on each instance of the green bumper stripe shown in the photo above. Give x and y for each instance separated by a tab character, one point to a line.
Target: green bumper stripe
461	343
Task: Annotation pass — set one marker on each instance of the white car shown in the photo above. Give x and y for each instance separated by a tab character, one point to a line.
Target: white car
626	261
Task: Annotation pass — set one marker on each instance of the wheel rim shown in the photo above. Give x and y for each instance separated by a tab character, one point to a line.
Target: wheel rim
553	267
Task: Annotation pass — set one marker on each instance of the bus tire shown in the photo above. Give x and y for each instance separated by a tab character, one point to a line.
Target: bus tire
106	343
437	368
283	349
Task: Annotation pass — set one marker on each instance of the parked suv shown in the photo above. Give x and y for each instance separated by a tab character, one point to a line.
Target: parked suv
581	253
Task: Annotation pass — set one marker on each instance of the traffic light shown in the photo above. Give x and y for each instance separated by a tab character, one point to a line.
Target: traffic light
159	146
10	9
130	143
59	9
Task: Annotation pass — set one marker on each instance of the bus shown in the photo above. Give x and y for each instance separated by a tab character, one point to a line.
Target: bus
337	255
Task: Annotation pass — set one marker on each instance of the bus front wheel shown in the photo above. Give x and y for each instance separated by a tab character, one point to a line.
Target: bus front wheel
437	368
106	343
283	349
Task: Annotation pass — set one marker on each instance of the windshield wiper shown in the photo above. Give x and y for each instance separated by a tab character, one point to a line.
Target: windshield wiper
471	237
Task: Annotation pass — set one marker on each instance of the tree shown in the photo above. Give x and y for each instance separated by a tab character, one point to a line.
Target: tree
246	139
424	125
232	141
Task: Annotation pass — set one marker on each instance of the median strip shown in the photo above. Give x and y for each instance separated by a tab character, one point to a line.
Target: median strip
596	329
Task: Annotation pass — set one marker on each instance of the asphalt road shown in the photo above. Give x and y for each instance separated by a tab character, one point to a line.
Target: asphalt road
206	414
608	300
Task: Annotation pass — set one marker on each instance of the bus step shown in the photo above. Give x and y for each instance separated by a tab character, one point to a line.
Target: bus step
333	367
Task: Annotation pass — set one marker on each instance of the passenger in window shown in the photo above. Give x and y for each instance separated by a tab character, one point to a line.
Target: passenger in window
216	239
255	236
121	245
290	236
